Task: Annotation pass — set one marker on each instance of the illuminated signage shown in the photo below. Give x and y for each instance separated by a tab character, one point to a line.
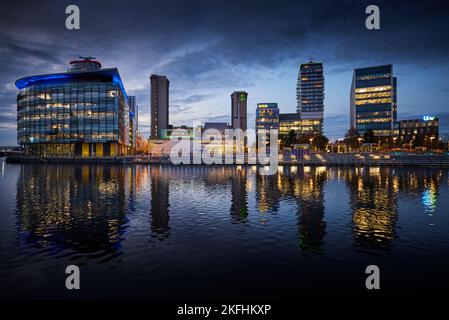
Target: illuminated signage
428	118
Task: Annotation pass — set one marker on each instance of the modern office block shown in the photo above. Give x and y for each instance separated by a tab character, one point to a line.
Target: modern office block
81	112
373	102
305	127
310	91
267	117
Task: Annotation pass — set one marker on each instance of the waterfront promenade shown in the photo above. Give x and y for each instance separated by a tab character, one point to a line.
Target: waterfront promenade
315	159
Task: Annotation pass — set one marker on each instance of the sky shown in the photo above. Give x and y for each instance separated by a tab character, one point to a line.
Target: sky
208	49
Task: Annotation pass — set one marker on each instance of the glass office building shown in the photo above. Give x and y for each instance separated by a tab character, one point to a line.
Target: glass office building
419	131
301	127
81	112
267	116
310	91
373	100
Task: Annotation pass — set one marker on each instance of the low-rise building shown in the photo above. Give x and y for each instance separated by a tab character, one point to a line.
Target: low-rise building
293	121
422	131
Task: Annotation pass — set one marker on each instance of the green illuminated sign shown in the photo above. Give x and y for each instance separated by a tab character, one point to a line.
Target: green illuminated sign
242	98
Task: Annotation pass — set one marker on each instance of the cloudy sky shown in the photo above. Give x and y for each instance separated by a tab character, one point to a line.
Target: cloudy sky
210	48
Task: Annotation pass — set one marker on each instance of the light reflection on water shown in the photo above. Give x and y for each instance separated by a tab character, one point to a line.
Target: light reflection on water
157	227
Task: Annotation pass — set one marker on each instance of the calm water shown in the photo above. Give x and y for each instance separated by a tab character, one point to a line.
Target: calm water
214	232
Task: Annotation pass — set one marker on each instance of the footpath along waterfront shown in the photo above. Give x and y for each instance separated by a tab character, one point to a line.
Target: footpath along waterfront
334	159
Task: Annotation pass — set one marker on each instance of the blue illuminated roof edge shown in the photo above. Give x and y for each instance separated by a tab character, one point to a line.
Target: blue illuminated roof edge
26	81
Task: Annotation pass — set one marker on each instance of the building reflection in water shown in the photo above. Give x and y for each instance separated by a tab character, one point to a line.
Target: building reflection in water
424	183
309	193
138	177
239	194
77	207
160	205
373	200
267	193
85	207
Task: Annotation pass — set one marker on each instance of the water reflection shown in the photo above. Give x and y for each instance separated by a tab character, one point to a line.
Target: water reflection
82	208
160	203
239	203
87	208
373	201
310	199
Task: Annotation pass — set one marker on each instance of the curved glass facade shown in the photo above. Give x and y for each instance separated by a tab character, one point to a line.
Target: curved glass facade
74	114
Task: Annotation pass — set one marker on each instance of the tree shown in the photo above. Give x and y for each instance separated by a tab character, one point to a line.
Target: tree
320	142
369	136
288	139
351	138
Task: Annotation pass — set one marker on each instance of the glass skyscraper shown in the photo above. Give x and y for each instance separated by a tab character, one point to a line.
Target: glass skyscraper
81	112
373	100
310	91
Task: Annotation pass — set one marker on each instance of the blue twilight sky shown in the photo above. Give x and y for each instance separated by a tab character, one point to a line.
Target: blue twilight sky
210	48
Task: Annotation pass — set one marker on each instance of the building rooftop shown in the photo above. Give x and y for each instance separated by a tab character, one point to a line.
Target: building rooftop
111	72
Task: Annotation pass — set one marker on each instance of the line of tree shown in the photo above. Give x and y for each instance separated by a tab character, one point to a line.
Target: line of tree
318	141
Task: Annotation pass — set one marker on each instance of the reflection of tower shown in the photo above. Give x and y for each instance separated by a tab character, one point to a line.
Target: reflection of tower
310	199
374	206
159	204
239	205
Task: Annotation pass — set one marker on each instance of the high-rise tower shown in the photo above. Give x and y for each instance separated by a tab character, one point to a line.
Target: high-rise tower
239	109
159	105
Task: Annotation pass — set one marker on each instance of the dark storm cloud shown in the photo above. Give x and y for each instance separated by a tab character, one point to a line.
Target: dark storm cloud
204	37
215	44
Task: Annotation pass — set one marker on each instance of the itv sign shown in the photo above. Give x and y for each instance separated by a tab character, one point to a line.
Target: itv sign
428	118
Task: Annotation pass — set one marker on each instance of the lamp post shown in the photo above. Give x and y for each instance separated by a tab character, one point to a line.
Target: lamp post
360	143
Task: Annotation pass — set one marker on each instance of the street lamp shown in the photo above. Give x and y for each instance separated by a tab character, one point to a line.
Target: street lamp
311	140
